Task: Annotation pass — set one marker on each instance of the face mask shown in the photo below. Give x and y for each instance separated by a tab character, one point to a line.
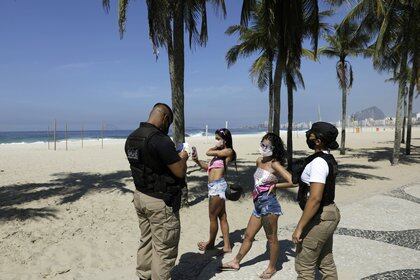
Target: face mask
267	152
311	143
219	143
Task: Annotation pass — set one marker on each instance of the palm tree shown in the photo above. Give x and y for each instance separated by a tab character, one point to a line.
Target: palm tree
343	43
260	38
167	21
410	106
295	20
394	25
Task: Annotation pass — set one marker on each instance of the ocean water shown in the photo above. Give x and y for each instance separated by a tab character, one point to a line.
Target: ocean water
22	137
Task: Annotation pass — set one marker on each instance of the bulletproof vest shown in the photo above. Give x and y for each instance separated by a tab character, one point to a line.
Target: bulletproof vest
329	189
150	175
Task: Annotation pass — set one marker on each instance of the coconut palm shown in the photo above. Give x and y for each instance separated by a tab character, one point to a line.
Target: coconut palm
343	43
394	26
167	22
259	37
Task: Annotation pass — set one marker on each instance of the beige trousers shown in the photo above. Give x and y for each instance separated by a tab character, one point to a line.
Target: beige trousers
315	251
160	232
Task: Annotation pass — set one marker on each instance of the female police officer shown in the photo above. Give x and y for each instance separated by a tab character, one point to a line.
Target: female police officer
314	232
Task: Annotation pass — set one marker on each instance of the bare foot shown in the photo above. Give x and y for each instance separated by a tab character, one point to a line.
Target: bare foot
268	273
204	246
232	265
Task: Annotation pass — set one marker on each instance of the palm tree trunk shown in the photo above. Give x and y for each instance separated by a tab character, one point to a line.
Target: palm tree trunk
404	117
276	96
177	73
410	109
290	125
343	121
270	99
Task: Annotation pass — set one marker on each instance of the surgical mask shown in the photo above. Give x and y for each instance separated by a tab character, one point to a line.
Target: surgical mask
265	151
311	143
219	143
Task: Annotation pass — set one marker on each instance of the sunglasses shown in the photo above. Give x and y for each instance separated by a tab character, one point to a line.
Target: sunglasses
264	146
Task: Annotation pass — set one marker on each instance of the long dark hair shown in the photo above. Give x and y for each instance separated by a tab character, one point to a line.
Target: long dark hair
279	152
225	134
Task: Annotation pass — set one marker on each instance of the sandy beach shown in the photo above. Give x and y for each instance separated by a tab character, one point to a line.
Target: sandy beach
68	214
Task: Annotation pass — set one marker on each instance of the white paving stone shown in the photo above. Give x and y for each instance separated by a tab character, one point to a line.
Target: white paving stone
381	212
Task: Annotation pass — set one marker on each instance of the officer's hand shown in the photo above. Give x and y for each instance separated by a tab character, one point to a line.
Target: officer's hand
183	155
296	236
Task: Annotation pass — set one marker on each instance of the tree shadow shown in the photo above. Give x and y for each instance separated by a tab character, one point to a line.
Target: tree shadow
384	154
346	172
65	187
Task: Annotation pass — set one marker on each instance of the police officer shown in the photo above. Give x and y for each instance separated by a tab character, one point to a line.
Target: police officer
314	232
158	172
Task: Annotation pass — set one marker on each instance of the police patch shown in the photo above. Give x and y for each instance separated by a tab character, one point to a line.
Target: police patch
133	153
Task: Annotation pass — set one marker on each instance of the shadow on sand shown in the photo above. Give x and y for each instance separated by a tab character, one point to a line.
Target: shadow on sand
65	188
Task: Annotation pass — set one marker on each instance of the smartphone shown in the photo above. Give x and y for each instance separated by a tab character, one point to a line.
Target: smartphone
194	151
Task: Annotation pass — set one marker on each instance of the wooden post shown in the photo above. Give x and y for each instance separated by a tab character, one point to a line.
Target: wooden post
102	135
226	124
48	137
207	133
66	137
81	134
55	134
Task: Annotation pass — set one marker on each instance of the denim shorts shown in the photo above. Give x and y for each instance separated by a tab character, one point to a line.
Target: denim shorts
266	204
218	188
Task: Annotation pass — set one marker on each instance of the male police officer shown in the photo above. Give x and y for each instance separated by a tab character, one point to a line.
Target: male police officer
158	172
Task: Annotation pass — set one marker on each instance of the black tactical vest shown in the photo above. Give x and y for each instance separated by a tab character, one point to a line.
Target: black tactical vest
150	175
329	189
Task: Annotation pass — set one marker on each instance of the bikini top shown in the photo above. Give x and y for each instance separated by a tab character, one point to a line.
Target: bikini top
216	163
263	180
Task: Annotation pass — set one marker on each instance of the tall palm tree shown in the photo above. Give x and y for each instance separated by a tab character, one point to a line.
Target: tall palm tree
343	43
394	26
295	20
167	21
258	37
410	106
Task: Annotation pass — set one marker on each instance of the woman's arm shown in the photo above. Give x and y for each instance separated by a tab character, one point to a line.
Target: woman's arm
279	169
226	153
203	164
311	207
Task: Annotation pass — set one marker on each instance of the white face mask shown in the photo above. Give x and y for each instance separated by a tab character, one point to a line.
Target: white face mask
267	152
219	143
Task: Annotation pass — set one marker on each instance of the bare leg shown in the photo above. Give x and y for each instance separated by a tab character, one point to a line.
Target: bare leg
215	206
254	225
224	226
269	223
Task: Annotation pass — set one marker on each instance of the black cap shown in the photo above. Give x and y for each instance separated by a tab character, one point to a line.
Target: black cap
327	133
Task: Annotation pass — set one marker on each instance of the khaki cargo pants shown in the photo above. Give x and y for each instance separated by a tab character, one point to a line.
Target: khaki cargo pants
160	231
315	251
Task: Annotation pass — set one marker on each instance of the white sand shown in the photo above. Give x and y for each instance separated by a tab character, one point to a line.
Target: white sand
68	214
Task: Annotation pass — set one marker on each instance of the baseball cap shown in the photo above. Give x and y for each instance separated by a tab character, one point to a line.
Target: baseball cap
326	132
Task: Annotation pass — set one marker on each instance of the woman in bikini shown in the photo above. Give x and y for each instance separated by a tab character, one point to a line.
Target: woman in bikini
222	154
270	170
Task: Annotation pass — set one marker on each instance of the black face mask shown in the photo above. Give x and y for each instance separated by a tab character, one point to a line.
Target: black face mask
311	143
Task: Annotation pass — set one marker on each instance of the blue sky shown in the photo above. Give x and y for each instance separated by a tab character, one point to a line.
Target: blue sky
64	60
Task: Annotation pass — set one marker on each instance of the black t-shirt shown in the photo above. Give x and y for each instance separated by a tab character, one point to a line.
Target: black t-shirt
164	148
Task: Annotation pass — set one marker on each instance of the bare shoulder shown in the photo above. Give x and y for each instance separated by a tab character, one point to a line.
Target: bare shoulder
277	166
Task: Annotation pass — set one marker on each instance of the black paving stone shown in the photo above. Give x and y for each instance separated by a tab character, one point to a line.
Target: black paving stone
404	238
400	193
395	274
